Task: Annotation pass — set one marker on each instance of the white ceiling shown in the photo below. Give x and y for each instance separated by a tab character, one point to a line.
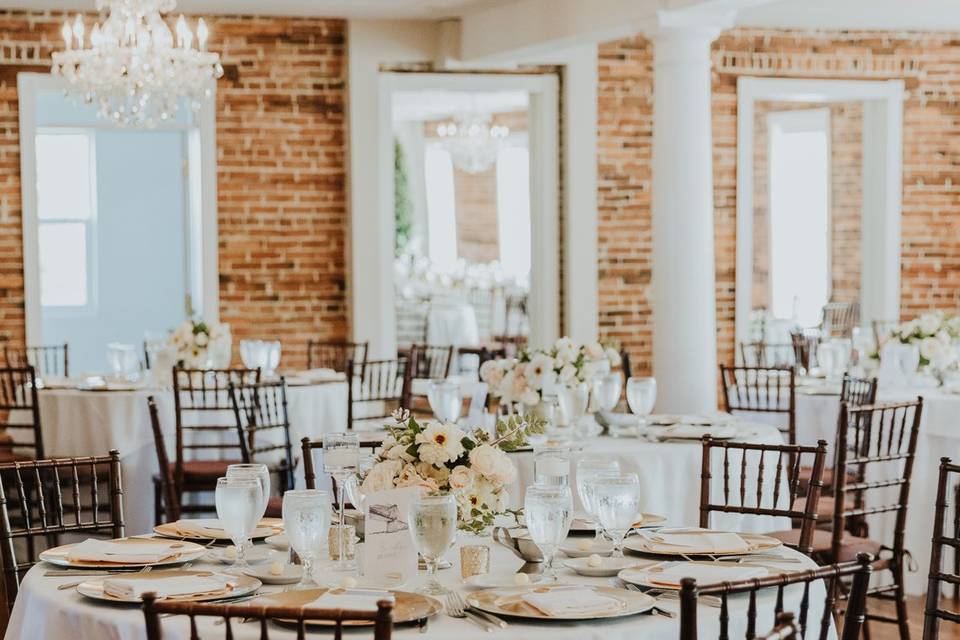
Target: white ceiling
377	9
898	15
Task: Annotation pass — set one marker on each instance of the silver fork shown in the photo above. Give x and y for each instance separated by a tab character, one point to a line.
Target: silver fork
655	610
489	617
455	609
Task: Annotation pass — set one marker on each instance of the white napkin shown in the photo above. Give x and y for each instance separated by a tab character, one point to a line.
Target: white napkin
108	551
572	602
350	599
696	541
204	526
670	574
165	587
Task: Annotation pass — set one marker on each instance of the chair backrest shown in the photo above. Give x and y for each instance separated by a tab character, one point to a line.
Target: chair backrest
947	489
785	628
805	349
154	611
763	480
831	577
46	498
766	354
377	389
171	501
762	390
858	392
20	413
335	354
430	361
263	426
203	407
883	439
47	360
515	316
839	318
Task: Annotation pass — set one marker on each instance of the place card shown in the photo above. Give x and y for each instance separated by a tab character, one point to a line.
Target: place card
388	550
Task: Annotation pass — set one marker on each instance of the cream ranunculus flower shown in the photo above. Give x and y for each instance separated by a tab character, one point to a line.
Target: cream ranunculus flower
492	372
493	464
538	370
440	443
438	474
933	349
461	478
381	477
567	350
594	351
613	357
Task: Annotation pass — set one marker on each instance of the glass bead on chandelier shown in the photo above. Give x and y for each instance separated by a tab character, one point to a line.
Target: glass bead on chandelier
133	67
473	143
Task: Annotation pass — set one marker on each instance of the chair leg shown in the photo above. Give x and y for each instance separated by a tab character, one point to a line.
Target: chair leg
157	497
901	600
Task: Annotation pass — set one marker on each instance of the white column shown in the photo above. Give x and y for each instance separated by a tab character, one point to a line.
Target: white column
683	279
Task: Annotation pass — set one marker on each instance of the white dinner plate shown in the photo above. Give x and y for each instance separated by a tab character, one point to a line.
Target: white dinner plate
756	542
643	576
290	575
583	547
242	586
501	579
278	542
608	566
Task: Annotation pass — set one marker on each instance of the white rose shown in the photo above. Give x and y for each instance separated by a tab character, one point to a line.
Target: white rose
505	472
613	356
594	351
567	350
380	477
932	349
491	372
493	464
568	373
440	443
461	478
929	323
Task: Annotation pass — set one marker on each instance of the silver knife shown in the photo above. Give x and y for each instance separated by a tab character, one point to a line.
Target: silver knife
500	622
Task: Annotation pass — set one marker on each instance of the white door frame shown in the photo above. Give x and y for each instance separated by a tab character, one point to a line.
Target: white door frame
202	145
882	184
372	232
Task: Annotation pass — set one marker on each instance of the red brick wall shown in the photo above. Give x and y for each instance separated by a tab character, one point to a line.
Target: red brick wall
281	177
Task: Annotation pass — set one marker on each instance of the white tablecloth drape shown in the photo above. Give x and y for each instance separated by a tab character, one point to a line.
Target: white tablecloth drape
76	423
44	613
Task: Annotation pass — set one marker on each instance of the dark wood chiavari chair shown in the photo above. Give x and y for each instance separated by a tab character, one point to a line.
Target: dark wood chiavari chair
154	611
205	424
511	345
732	593
19	414
431	362
839	318
745	490
47	360
769	390
376	391
948	484
166	502
335	354
785	628
767	354
47	498
805	349
874	455
264	431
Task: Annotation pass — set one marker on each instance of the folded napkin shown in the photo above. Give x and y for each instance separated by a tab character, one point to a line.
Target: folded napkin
671	573
108	551
166	587
202	526
350	599
697	431
696	541
572	602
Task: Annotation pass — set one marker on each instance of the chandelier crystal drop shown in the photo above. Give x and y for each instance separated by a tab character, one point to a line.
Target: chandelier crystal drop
473	143
133	66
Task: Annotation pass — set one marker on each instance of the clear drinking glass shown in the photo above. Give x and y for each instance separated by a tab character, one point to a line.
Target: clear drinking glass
606	390
261	473
122	359
341	456
551	466
587	470
238	504
445	400
617	501
262	354
433	525
641	396
306	519
573	401
548	512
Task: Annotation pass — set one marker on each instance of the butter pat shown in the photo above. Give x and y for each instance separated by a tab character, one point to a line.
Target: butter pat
584	544
276	569
594	561
521	579
230	552
348	582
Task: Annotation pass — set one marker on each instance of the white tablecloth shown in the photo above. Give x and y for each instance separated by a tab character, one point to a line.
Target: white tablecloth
93	422
42	612
939	437
670	478
452	323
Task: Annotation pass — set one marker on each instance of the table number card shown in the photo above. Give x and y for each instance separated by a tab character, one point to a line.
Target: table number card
388	549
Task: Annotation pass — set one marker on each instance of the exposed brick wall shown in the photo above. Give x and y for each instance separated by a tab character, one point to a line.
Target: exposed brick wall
281	181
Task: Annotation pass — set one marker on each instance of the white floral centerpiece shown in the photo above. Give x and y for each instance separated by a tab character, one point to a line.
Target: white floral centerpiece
524	379
934	334
198	345
443	457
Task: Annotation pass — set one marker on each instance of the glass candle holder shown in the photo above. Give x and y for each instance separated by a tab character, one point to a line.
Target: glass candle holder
474	560
349	535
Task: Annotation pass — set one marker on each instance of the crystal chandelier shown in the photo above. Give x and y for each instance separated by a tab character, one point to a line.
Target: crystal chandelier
133	67
472	142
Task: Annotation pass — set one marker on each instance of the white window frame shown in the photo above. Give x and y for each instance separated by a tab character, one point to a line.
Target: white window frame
202	149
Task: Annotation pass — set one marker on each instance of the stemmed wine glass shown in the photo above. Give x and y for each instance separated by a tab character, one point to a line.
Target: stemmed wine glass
606	390
617	501
548	511
341	456
574	399
238	503
589	469
261	473
445	400
641	396
306	518
433	525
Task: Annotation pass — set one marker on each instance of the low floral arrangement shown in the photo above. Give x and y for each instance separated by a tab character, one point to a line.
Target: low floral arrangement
443	457
524	379
934	333
192	340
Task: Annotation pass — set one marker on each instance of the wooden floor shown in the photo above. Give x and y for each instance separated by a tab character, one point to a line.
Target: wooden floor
915	604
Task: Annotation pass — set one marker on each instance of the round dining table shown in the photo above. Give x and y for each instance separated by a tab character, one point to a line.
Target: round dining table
81	422
42	612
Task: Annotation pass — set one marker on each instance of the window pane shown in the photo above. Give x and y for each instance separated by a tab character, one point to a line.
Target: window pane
63	264
63	176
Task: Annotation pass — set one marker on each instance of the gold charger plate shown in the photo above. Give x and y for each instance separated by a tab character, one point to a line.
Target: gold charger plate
509	602
646	520
186	551
757	542
244	585
265	528
407	607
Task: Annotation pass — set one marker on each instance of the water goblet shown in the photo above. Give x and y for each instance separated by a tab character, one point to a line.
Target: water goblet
445	400
548	512
238	503
261	473
306	519
432	519
606	390
589	469
617	501
341	456
641	396
573	400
